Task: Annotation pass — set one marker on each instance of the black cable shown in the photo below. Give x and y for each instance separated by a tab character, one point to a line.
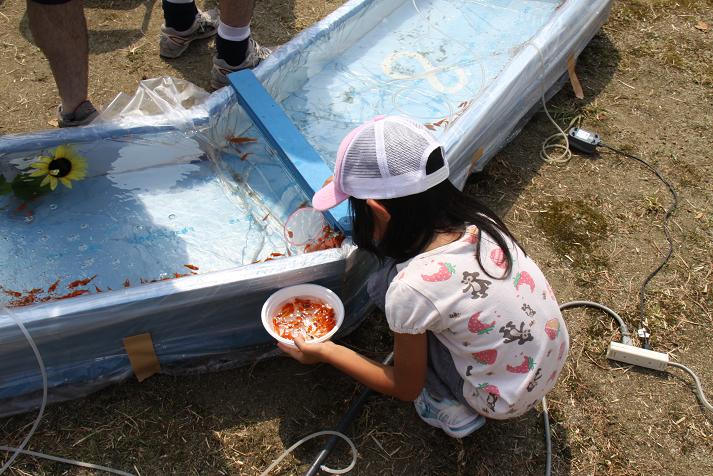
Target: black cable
343	424
644	328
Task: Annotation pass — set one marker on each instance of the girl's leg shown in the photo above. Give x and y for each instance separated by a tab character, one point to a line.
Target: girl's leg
442	379
441	403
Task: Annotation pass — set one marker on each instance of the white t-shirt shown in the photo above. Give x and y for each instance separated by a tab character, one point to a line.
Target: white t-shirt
506	336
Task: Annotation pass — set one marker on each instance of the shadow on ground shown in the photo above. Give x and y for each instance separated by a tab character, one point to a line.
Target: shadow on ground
503	179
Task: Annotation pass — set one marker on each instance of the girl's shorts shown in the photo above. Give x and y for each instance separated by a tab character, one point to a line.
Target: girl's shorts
442	378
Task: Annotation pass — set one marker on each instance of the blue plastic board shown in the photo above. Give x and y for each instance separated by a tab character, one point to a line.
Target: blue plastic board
299	157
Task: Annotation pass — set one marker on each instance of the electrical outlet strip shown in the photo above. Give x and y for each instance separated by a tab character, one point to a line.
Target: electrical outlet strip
637	356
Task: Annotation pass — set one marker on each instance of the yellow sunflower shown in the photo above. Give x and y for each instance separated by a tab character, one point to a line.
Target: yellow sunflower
63	166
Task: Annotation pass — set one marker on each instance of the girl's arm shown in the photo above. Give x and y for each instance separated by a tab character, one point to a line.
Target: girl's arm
404	380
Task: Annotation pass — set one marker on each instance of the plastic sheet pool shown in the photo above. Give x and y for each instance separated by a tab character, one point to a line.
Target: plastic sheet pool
173	214
152	207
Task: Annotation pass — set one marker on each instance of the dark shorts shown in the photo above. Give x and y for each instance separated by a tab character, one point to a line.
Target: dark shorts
51	2
442	379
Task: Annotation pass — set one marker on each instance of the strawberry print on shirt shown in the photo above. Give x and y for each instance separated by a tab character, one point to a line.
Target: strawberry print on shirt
524	278
445	271
527	364
498	258
477	327
507	342
486	357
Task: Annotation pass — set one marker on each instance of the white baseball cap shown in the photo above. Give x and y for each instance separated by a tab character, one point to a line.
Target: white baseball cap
382	158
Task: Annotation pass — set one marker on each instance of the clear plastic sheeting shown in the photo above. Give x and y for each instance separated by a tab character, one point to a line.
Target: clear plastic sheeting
177	227
157	101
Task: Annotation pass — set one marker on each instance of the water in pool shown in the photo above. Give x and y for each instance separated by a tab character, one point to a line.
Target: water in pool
429	60
150	208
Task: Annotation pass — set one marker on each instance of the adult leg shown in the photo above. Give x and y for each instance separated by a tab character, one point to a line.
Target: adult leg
232	42
60	31
183	24
234	45
236	13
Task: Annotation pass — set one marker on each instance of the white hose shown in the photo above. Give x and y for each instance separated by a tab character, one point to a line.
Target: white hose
323	467
548	144
41	364
21	449
67	461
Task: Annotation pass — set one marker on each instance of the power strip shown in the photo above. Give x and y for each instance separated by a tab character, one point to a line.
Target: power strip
637	356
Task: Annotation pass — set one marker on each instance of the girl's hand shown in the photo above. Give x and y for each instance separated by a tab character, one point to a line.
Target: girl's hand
404	380
305	353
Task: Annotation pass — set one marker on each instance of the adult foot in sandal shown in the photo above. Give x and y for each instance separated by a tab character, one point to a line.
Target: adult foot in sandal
81	116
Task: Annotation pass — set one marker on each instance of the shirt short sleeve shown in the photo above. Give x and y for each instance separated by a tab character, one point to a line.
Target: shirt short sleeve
408	311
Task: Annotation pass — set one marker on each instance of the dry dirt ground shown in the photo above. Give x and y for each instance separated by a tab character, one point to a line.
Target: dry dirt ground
594	224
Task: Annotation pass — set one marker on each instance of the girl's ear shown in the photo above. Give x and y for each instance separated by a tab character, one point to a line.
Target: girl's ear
380	212
382	217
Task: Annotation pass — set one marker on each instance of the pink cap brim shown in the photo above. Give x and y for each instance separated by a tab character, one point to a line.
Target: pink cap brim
328	197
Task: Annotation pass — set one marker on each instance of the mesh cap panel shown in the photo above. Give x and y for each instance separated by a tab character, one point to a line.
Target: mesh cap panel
404	147
360	160
381	159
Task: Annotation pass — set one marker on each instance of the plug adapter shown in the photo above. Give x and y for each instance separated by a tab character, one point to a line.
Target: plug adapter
630	354
583	141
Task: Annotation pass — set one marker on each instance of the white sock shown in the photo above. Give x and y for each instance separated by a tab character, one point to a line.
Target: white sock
233	33
180	1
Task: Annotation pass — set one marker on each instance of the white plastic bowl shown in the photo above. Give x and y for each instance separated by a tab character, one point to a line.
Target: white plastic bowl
314	291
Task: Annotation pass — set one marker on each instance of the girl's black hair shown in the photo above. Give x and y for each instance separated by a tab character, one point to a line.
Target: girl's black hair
416	219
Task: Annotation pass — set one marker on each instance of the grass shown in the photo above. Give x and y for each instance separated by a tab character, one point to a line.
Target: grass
574	229
592	224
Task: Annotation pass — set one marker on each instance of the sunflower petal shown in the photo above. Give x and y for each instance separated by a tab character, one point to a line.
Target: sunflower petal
66	182
68	152
76	175
45	181
72	155
38	173
61	151
40	164
53	182
78	162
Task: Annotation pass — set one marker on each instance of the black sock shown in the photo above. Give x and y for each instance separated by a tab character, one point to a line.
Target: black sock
179	16
232	52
